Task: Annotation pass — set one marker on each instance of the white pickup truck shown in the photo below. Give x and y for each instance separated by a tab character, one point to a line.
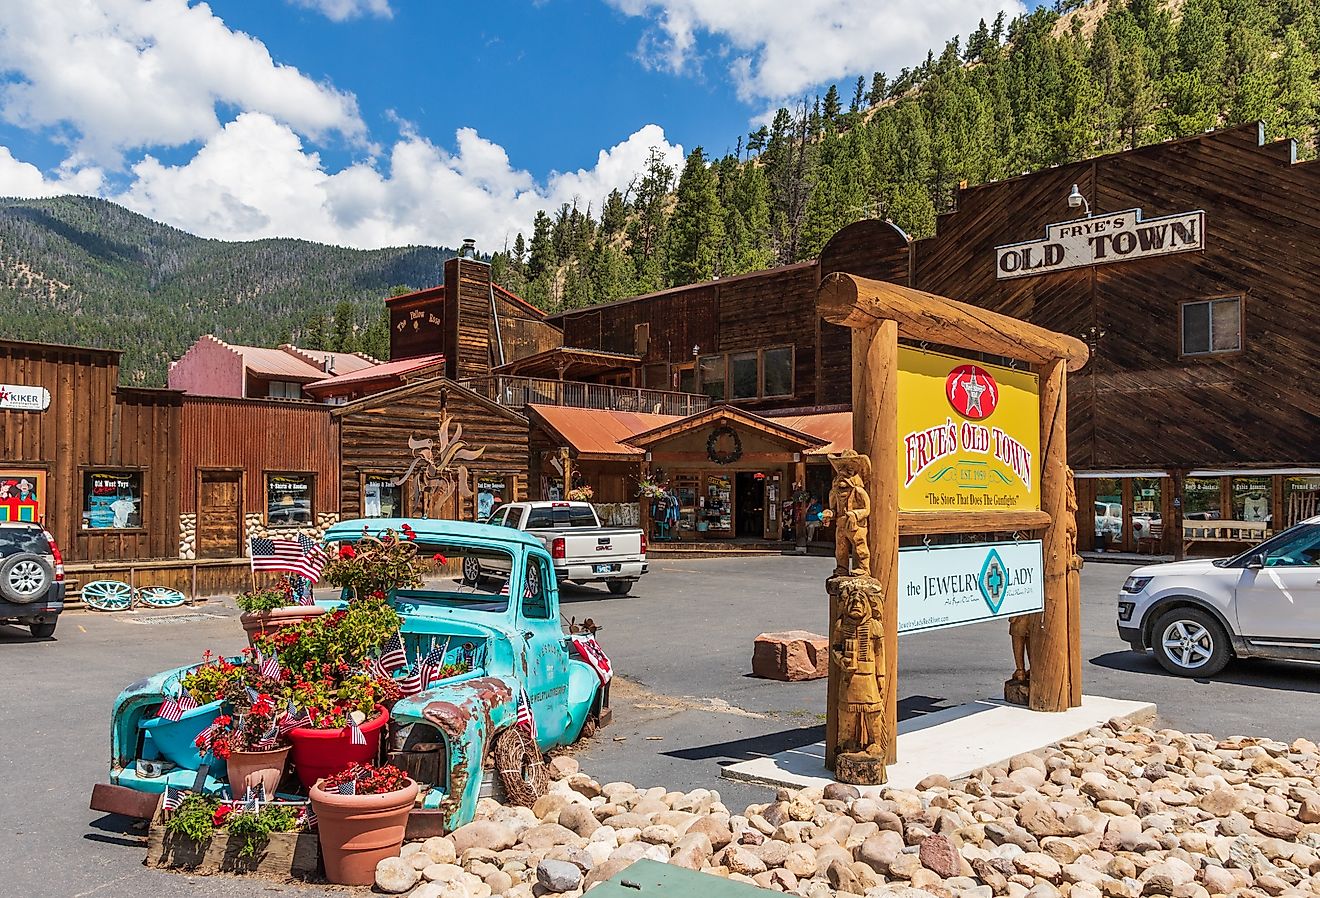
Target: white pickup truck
583	550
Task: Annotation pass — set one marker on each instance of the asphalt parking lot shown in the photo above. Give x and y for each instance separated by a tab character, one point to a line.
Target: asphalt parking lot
684	704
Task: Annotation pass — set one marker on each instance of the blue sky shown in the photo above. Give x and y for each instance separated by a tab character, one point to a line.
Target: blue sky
380	122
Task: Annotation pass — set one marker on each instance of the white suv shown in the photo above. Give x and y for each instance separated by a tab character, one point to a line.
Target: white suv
1197	615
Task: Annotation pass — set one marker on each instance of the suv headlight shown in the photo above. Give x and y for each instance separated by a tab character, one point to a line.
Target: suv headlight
1133	585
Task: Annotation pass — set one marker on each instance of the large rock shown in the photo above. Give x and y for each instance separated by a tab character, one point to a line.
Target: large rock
482	834
558	876
938	854
394	875
1280	826
578	818
791	655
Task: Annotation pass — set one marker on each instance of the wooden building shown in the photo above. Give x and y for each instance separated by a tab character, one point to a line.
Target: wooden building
94	461
375	453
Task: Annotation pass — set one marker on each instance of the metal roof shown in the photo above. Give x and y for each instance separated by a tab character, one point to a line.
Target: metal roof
276	363
385	370
595	433
836	427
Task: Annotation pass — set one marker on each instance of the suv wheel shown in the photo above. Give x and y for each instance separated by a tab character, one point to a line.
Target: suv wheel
25	577
42	631
471	570
1189	642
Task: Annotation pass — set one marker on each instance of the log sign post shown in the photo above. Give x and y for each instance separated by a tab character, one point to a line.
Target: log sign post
964	473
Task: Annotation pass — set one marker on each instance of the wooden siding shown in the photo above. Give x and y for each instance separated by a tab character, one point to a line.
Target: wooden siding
1262	242
259	436
374	434
467	294
93	423
523	331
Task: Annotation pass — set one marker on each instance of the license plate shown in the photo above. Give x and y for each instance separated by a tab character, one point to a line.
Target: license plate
604	568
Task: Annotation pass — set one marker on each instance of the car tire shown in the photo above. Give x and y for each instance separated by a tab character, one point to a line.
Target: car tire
42	631
25	577
1189	642
471	571
619	587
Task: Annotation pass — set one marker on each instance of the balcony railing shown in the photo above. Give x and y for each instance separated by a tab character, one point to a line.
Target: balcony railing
516	392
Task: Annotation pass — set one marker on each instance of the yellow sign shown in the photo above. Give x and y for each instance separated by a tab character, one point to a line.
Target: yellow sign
969	435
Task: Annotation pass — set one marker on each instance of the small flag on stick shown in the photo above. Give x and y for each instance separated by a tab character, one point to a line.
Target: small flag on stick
525	720
393	656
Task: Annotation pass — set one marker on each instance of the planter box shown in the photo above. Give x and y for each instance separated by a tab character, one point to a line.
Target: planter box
286	855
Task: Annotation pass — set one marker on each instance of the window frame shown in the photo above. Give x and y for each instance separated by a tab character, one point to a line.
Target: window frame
311	494
534	563
723	362
754	355
363	477
1211	353
84	470
792	372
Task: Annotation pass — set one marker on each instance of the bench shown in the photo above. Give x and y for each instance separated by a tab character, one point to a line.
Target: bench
1241	532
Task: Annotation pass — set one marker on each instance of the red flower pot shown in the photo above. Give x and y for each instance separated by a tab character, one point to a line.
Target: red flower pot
359	831
319	753
259	623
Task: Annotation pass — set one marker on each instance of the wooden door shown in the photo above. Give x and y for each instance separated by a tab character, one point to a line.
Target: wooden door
220	514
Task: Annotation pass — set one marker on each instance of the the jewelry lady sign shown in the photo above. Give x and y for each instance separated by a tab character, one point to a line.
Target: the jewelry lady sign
969	434
948	586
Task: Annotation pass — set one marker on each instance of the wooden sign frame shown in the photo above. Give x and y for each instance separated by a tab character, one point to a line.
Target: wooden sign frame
879	313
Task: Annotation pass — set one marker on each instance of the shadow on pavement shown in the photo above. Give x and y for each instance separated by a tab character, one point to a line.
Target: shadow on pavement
912	707
1289	676
117	830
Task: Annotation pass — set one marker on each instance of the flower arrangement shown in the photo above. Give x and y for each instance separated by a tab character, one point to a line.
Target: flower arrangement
213	678
348	635
378	564
580	494
250	727
198	817
650	489
255	601
330	697
368	779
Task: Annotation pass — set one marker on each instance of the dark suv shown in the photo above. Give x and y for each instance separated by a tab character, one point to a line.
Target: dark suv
31	577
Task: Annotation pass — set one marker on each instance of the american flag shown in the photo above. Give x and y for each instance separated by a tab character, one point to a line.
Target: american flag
206	736
429	666
293	717
374	669
525	720
270	667
356	737
301	556
392	655
348	787
173	798
307	817
412	683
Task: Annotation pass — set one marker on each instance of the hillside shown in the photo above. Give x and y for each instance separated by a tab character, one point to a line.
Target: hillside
89	272
1052	87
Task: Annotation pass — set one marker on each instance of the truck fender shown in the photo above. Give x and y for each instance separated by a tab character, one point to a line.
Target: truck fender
583	685
468	715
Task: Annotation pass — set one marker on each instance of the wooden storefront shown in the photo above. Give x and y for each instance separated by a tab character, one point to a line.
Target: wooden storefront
374	450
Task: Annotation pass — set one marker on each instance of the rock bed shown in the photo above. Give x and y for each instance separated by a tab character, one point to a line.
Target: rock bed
1122	812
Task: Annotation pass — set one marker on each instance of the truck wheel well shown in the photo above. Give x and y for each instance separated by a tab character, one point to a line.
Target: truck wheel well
1164	606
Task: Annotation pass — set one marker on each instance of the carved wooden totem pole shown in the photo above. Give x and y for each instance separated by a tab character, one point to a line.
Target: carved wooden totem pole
857	645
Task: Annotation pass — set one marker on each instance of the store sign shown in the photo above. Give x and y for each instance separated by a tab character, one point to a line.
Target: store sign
969	435
24	399
1100	240
948	586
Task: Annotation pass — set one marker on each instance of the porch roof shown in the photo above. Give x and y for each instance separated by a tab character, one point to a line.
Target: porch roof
594	434
798	440
835	428
581	362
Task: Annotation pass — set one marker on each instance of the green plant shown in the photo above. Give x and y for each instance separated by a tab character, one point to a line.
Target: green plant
254	829
194	818
377	565
330	695
213	678
350	634
268	599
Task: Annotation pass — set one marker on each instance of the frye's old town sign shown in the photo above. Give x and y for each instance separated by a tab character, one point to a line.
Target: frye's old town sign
969	435
25	399
1099	240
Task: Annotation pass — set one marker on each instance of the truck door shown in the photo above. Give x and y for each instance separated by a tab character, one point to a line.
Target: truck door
545	674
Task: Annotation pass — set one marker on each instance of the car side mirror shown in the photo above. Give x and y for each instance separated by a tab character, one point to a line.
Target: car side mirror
1255	562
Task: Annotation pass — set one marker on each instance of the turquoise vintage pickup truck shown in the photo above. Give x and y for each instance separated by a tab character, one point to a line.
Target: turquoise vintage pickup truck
512	638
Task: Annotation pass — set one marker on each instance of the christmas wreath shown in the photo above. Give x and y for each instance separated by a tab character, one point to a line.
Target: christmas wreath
723	457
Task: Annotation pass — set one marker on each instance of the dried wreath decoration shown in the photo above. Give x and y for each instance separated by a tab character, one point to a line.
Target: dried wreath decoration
718	449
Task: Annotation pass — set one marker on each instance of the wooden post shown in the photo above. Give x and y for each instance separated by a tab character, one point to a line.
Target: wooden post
800	508
875	433
644	502
1051	648
1175	523
567	462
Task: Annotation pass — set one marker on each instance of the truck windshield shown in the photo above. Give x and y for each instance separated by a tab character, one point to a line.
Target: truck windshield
557	516
474	579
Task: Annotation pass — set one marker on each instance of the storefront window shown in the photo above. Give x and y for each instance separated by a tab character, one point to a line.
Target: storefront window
288	499
490	494
1251	499
22	495
1201	499
717	513
1301	499
778	372
1108	513
712	376
742	372
1145	521
381	497
112	500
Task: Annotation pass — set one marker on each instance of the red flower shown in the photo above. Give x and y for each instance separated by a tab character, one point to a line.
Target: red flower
408	532
439	559
221	813
347	551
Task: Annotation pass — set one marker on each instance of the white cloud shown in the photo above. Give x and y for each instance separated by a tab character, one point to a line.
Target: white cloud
780	48
255	179
342	10
24	179
122	74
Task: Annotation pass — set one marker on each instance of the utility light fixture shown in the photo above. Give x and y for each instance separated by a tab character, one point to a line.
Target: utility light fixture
1076	200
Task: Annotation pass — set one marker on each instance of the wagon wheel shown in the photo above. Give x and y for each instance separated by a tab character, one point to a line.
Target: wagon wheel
161	596
108	595
520	766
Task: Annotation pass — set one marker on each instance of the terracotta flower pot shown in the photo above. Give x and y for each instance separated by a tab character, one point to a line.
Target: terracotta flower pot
247	769
319	753
359	831
258	623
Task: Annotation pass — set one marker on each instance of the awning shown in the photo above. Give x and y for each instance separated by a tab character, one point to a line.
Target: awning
836	428
560	362
596	435
775	429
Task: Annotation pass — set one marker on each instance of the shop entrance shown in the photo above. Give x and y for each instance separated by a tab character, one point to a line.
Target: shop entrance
751	504
220	514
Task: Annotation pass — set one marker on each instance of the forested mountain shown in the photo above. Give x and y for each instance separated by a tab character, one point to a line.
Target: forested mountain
89	272
1047	88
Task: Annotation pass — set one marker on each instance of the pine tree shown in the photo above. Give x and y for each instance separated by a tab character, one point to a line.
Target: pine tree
541	256
859	96
344	338
696	230
1296	95
832	107
313	336
877	94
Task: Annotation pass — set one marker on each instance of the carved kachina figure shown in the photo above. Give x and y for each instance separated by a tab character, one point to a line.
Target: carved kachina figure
1019	630
850	506
857	646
